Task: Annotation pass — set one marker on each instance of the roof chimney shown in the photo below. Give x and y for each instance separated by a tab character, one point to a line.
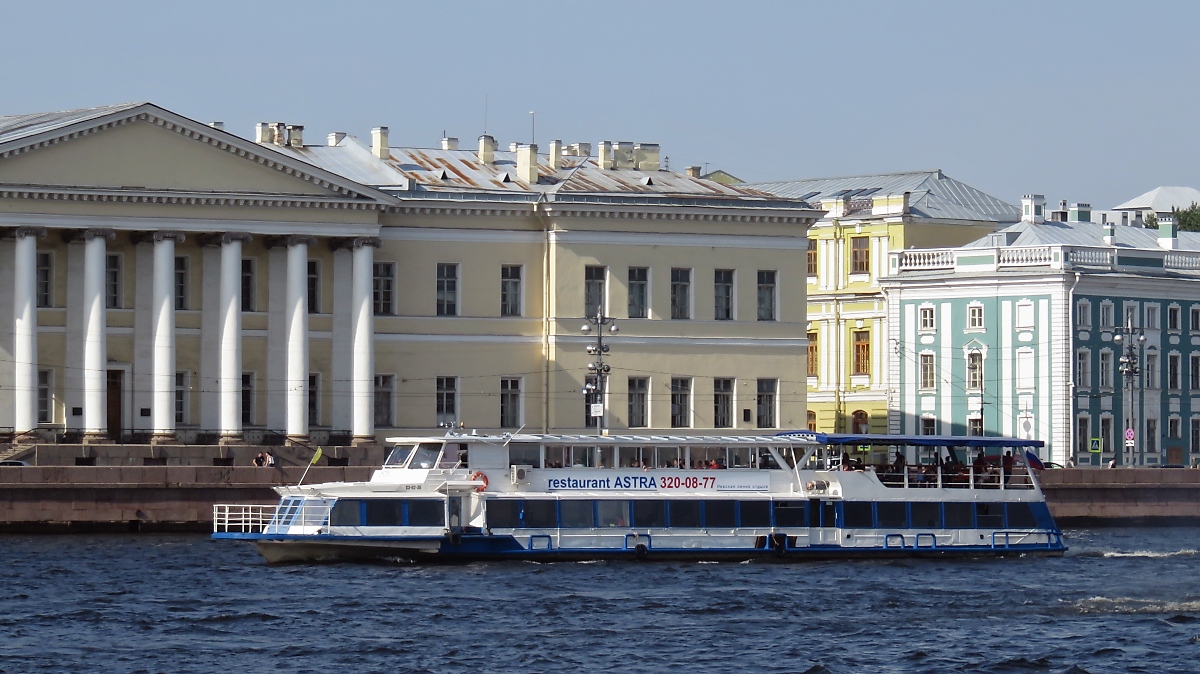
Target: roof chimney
1079	213
487	150
262	133
606	155
335	138
220	126
295	135
693	171
579	150
279	133
1110	233
379	142
623	155
646	155
513	146
527	164
556	154
1033	208
1167	236
449	143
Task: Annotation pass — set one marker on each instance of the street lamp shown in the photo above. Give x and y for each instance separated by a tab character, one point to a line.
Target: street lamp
1128	366
598	367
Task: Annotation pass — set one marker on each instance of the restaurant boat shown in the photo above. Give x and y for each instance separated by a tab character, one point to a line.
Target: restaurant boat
787	497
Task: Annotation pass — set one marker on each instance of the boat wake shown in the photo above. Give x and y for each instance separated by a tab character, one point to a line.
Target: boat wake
1143	554
1131	606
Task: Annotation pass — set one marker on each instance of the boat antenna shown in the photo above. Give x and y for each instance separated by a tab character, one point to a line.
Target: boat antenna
316	457
510	435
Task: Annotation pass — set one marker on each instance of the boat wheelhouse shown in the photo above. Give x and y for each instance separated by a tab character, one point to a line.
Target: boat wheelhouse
791	496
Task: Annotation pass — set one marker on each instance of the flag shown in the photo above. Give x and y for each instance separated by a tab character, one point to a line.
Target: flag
1033	461
316	457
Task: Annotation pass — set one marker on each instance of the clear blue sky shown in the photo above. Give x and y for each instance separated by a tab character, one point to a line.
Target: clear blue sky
1084	101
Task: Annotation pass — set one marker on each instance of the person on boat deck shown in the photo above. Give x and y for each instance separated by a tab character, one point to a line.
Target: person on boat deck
846	460
899	465
980	463
268	460
260	460
1007	463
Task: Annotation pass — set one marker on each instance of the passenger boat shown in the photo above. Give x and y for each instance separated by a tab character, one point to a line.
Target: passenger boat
793	496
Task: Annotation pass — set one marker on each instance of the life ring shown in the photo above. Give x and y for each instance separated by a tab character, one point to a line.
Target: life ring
478	475
640	550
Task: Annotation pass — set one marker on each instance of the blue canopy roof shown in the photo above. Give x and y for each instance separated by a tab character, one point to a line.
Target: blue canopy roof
917	440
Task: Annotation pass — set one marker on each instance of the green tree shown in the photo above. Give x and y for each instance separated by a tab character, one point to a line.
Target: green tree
1187	219
1151	220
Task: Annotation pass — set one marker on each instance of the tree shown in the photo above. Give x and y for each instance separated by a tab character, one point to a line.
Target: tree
1187	219
1151	220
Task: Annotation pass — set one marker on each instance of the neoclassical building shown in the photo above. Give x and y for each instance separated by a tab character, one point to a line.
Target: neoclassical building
173	280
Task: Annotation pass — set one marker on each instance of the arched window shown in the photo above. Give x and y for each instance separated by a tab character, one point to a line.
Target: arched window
861	422
812	420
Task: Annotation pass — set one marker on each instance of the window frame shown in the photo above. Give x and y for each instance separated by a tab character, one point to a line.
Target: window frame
927	370
44	279
383	288
385	384
860	255
114	281
638	402
595	290
681	293
768	290
446	296
512	282
681	402
723	290
181	277
723	410
246	404
767	402
642	293
247	287
861	365
313	287
446	401
511	409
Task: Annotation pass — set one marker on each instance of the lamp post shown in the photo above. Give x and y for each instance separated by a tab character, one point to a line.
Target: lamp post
598	367
1128	366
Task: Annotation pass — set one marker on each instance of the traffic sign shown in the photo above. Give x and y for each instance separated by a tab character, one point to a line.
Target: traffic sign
597	409
1095	445
1129	444
1129	435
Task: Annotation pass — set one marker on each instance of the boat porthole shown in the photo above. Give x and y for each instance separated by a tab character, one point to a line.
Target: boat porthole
640	551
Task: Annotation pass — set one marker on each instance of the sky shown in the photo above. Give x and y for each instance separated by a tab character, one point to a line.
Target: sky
1091	102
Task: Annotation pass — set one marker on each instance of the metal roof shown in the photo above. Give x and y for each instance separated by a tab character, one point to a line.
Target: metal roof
933	195
1052	233
922	440
1162	200
13	127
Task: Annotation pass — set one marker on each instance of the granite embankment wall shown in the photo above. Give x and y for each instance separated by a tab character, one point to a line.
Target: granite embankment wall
180	498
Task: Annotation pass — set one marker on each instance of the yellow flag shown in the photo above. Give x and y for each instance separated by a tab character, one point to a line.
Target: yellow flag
317	456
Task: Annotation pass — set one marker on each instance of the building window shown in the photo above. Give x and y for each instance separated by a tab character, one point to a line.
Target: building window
928	371
1131	316
247	398
766	402
181	389
1106	371
1083	432
860	255
639	392
974	371
1151	316
766	295
1174	428
1174	377
681	293
1106	315
723	294
510	290
1025	369
812	420
1106	434
928	426
314	399
44	397
383	282
1195	319
447	289
1083	369
384	389
1151	436
862	352
1173	319
510	402
639	292
112	282
592	395
181	282
1083	314
1194	372
861	422
593	290
722	403
44	276
975	426
812	258
975	317
314	286
681	403
1151	371
247	284
926	318
447	401
1195	436
813	355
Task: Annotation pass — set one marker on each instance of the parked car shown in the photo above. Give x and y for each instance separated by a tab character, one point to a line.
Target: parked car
1051	464
13	462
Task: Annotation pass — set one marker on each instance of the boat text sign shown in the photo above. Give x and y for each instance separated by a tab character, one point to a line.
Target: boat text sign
661	482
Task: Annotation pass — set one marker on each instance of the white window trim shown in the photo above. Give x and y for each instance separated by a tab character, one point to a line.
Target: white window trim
1085	381
1111	313
520	290
920	373
520	398
933	315
1018	309
1083	308
982	327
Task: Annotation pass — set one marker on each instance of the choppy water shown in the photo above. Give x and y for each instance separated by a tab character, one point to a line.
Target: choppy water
1122	600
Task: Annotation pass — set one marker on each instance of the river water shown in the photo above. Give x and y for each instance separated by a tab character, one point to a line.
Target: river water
1121	600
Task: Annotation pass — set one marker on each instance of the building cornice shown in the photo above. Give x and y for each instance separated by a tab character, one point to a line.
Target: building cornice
137	196
201	225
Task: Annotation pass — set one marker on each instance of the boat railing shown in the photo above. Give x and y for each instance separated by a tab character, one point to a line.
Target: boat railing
275	518
954	477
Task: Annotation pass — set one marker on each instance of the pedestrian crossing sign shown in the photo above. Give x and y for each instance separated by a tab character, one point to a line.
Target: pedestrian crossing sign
1094	445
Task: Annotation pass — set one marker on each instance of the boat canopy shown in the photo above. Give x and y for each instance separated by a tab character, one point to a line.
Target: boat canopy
855	439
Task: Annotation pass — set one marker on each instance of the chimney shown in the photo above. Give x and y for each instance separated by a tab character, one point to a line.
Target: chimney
556	154
219	126
449	143
1079	213
335	138
527	164
513	146
1110	233
623	155
1167	236
906	204
295	135
1033	208
279	133
487	150
379	142
605	159
647	156
693	171
262	133
580	150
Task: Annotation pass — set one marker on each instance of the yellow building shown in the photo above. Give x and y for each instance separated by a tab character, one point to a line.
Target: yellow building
172	280
848	363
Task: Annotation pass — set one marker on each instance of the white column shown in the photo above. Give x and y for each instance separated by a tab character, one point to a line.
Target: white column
362	329
296	319
24	353
95	355
230	370
163	330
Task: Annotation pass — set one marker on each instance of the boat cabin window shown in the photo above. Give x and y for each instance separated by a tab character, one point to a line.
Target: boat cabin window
425	455
524	454
720	515
707	457
739	457
399	455
650	513
540	514
766	459
576	514
612	513
454	456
